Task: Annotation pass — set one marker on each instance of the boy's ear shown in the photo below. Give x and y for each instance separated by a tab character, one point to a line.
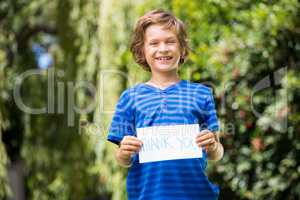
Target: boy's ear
182	53
181	57
181	60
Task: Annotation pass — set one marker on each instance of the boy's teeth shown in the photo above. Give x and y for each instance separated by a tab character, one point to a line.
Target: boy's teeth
164	58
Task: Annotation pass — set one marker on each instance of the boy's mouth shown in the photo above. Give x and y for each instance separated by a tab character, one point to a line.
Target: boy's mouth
164	58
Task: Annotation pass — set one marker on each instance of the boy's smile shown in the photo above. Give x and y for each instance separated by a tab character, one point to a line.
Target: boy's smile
161	48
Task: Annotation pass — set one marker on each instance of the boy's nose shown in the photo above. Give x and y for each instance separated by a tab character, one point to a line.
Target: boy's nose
163	47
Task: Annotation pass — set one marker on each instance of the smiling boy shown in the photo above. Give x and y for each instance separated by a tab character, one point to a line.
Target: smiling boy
160	46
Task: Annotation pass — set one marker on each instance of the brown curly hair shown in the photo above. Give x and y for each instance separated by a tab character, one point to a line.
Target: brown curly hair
161	17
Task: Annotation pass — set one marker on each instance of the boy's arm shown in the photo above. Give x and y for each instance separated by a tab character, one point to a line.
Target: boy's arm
215	151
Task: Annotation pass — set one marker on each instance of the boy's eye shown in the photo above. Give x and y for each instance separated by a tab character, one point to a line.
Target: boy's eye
153	43
171	42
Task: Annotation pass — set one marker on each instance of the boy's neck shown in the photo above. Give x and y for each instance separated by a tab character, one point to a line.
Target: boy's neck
163	80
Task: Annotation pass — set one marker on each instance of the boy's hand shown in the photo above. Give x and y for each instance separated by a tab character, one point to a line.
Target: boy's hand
206	139
128	146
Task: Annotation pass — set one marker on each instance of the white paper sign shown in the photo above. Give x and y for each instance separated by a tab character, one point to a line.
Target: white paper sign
169	142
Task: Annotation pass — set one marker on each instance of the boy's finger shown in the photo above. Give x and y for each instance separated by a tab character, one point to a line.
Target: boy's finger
127	153
204	137
206	142
132	138
131	142
130	148
203	133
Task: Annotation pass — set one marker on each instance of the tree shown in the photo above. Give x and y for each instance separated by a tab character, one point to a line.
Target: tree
235	46
238	48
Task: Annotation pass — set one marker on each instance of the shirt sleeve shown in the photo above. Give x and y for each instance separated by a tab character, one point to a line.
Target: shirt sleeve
210	114
123	120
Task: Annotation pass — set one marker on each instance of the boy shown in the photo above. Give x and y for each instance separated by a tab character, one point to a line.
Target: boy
160	46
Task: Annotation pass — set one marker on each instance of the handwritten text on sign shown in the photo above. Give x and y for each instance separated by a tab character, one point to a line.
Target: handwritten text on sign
168	142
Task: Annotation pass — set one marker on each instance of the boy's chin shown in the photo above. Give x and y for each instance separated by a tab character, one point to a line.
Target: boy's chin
165	68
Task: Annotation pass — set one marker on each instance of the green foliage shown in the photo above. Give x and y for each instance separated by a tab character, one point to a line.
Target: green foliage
4	188
235	44
58	160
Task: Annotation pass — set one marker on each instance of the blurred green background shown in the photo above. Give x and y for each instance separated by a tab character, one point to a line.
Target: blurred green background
74	54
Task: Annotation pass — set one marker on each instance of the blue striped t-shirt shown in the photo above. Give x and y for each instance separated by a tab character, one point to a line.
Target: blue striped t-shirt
181	103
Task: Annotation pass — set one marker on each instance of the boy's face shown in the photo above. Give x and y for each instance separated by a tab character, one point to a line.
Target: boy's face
161	49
